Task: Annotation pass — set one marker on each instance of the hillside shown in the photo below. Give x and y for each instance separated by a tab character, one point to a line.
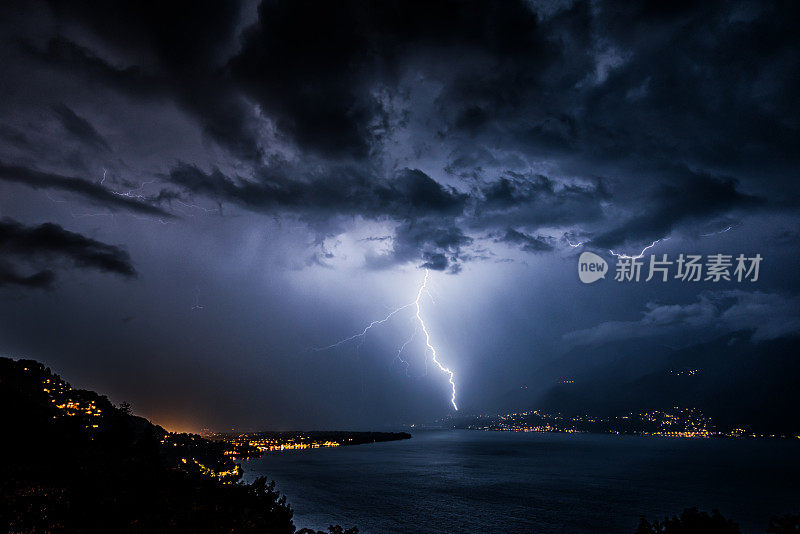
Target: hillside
76	463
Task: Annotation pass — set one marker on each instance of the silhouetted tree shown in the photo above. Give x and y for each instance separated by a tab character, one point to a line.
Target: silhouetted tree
691	521
332	529
787	524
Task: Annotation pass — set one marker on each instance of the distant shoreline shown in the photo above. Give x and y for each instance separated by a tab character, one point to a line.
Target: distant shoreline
677	422
685	435
246	445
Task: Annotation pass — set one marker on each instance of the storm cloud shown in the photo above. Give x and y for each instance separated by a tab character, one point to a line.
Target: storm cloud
258	176
91	191
762	316
79	127
312	100
50	244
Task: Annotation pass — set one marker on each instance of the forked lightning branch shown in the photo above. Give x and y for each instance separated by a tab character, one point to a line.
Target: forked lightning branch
429	347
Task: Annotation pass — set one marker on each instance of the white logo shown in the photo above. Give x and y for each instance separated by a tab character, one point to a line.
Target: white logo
591	267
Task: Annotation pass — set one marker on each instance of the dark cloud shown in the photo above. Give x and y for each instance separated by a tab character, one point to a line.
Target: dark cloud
692	198
199	90
556	81
409	196
528	243
345	190
89	190
315	67
586	88
40	280
535	200
509	192
608	92
68	56
439	244
765	315
15	137
426	209
50	244
79	127
435	260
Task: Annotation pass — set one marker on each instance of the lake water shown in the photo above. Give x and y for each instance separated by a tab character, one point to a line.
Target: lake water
470	481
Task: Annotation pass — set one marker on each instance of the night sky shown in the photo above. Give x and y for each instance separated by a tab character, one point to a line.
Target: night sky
194	196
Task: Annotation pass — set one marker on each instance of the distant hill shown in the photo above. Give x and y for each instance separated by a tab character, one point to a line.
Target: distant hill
74	462
612	363
736	382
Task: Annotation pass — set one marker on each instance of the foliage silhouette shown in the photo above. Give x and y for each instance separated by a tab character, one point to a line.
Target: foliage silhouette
691	521
786	524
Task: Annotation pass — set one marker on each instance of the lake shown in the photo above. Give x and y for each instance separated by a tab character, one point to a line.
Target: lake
470	481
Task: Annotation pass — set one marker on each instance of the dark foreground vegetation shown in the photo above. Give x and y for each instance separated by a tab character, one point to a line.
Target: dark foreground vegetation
693	521
74	462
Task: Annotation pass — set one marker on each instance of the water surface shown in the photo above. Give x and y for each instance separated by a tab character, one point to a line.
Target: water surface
470	481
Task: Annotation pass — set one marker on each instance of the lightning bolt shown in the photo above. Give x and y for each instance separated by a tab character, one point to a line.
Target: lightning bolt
197	305
403	347
728	229
196	206
136	193
363	333
423	289
108	213
431	348
641	254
